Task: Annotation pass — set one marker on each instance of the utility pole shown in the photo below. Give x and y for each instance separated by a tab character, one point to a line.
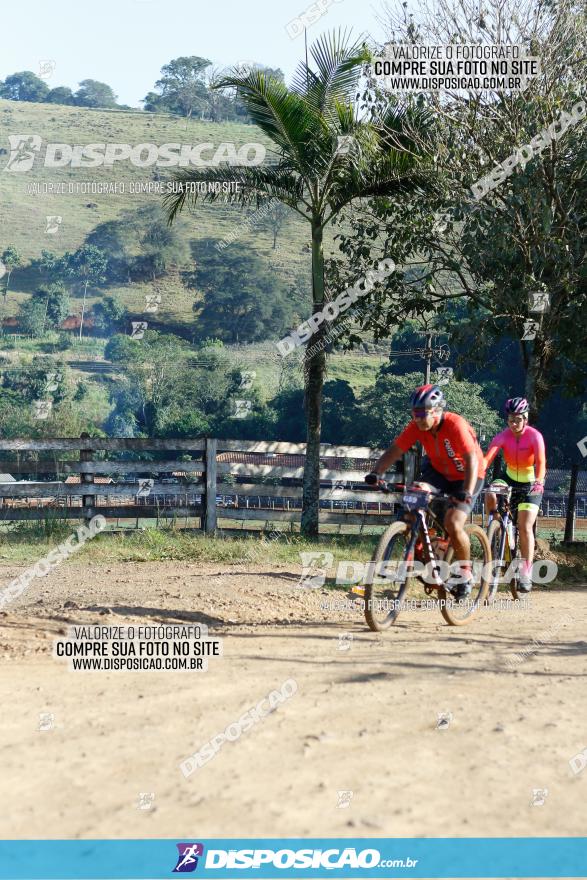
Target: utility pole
427	354
429	351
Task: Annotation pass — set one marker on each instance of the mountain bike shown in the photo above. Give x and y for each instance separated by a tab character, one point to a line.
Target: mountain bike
419	537
503	537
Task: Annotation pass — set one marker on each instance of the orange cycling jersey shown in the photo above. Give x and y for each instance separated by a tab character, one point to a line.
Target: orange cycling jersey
446	448
524	454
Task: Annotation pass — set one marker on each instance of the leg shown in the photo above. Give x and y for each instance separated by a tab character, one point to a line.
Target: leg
454	523
460	581
490	502
526	518
456	519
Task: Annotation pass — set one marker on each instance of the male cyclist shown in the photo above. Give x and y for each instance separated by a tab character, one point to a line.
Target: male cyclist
455	466
525	459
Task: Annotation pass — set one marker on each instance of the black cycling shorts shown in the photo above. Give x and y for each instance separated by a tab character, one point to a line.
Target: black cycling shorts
429	475
522	498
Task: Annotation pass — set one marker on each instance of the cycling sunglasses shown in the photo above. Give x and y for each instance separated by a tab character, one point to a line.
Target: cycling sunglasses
420	413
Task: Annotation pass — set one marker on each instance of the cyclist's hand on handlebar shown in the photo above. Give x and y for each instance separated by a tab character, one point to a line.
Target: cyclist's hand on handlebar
377	481
461	497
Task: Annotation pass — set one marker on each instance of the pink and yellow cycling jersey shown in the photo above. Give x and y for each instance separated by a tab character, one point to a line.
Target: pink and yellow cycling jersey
524	454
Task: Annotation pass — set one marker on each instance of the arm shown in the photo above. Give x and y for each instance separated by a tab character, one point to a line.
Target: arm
540	456
492	453
398	448
465	440
389	457
471	471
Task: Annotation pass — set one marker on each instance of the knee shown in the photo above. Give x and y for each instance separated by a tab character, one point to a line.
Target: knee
453	528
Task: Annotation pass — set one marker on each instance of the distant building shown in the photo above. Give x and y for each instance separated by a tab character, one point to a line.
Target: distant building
72	322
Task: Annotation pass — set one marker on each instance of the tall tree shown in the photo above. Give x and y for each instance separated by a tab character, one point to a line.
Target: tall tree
24	86
495	247
88	265
242	301
48	307
181	88
275	218
108	315
160	245
313	177
33	316
57	300
60	95
11	260
92	93
385	408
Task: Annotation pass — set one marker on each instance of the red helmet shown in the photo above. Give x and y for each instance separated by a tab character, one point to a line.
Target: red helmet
517	406
428	397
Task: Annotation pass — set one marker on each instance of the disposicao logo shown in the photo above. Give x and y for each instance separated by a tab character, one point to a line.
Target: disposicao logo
328	859
26	148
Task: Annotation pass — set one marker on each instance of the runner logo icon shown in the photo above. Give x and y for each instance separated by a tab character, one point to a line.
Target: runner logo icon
23	149
187	860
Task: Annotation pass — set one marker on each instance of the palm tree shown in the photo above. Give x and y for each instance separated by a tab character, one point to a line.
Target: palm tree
314	177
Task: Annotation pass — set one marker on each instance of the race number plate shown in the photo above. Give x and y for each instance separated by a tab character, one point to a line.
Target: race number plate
415	500
499	489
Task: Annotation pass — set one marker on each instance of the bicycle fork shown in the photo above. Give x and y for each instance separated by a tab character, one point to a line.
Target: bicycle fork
505	536
418	528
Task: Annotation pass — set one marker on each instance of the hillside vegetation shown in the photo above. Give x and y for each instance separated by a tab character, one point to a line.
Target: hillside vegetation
24	215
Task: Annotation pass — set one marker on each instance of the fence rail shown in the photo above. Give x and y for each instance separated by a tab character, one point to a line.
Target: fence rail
250	481
232	480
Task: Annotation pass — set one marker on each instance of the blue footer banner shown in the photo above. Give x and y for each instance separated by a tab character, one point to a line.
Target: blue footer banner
378	857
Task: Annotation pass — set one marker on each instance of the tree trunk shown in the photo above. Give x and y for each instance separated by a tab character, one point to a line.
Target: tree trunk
536	363
81	325
314	367
45	316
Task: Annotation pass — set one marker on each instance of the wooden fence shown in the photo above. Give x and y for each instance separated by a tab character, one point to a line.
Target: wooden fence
238	481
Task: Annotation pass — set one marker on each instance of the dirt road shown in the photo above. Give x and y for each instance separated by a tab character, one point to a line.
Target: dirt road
356	751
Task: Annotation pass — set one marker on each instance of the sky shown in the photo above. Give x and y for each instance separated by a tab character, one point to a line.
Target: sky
126	42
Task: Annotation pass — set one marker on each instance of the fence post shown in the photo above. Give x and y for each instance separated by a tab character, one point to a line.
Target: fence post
88	501
570	520
410	465
209	514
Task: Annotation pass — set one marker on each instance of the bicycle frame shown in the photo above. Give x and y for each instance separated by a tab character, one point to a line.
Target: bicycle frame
418	521
506	517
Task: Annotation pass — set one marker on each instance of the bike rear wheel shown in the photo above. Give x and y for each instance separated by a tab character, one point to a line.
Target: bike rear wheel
499	566
513	584
383	597
458	613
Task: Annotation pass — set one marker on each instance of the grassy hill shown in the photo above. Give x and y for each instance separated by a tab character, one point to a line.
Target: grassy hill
23	215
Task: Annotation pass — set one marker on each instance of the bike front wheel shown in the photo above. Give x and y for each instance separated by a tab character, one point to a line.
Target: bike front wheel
458	613
499	565
388	584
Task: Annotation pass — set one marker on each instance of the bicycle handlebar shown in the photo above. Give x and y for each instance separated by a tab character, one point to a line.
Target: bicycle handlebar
388	488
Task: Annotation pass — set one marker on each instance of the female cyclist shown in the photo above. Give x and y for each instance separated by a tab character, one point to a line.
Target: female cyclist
525	459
